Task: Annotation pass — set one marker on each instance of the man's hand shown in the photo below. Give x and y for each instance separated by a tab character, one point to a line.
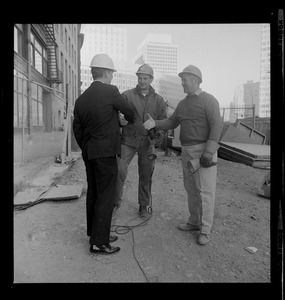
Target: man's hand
206	159
150	123
122	119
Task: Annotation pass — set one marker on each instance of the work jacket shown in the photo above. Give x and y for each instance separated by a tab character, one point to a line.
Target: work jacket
152	104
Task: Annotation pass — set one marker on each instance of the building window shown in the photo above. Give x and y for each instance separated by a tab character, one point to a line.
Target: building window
20	101
18	39
74	32
37	104
61	33
65	40
38	55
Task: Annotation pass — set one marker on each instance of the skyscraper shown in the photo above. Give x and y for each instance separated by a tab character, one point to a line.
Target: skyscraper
108	39
251	94
158	51
245	96
264	91
100	38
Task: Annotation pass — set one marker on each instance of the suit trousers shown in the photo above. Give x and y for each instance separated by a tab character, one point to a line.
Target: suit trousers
101	193
145	170
200	187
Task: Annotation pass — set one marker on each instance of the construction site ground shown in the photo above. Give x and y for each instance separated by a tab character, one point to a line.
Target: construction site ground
51	245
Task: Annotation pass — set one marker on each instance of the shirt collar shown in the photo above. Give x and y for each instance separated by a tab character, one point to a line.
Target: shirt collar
198	92
151	90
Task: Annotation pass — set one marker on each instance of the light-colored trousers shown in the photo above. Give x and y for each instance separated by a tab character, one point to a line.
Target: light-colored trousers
200	187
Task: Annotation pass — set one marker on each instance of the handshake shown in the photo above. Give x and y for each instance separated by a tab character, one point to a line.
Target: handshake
150	123
206	159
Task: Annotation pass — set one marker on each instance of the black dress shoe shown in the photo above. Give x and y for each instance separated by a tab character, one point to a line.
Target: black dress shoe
104	249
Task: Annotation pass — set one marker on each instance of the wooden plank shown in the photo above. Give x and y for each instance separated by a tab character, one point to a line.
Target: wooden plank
251	150
235	156
232	155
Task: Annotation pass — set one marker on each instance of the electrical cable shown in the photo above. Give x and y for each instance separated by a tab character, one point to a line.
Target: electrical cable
123	229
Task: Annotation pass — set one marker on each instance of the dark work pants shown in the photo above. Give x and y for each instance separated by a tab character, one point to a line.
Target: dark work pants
145	169
101	193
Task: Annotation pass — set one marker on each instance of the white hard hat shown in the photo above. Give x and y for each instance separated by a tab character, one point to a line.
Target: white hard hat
102	60
145	69
192	70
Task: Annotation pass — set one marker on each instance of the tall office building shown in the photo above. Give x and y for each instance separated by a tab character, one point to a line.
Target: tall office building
98	38
158	51
251	94
264	91
245	96
108	39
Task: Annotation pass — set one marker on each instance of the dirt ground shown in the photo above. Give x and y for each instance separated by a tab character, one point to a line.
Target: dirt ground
51	245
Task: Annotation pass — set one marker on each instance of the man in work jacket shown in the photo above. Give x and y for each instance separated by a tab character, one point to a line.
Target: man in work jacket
135	138
201	126
97	132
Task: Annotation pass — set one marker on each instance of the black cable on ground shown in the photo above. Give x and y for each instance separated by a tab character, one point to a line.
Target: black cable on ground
123	229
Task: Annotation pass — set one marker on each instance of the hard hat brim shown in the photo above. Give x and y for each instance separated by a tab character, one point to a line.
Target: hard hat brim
139	73
103	68
181	73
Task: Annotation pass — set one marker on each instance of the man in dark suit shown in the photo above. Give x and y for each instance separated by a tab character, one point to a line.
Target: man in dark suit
96	130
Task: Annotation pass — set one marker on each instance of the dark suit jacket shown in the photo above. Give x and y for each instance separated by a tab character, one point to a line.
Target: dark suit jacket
96	122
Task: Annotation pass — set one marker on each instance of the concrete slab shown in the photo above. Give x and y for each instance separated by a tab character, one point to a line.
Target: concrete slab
57	192
46	177
64	192
29	195
25	172
39	172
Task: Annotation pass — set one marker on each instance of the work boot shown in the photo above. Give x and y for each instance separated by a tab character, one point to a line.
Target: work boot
188	227
143	212
203	239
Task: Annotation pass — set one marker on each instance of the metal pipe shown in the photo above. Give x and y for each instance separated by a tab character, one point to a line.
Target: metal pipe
23	124
29	102
253	115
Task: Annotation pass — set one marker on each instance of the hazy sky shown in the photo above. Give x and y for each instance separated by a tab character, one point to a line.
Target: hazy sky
227	54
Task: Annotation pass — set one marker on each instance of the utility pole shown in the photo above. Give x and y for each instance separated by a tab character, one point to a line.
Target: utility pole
253	115
66	147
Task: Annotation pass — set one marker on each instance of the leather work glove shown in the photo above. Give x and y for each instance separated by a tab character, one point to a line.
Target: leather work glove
206	159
